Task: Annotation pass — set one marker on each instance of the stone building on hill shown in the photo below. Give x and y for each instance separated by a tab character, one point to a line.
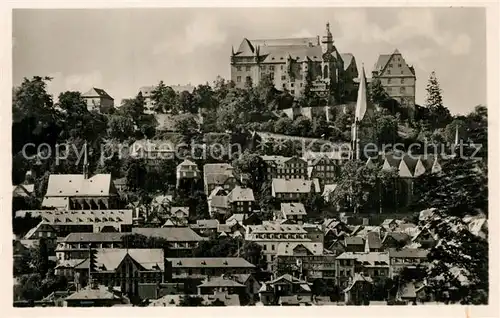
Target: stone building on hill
290	63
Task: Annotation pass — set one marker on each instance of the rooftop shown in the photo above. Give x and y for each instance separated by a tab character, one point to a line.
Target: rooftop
205	262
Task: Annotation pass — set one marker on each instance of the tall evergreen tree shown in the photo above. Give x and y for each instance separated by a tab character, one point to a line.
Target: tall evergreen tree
439	115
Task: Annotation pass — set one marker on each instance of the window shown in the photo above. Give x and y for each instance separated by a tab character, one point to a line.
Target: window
292	92
284	85
399	65
402	81
301	84
238	79
389	72
238	68
281	67
390	65
271	67
263	67
248	68
283	77
272	247
272	76
389	81
291	84
265	247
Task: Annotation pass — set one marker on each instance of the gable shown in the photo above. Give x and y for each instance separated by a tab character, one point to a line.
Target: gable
420	168
404	171
396	65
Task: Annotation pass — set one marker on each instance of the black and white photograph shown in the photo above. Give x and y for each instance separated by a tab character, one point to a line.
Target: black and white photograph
286	156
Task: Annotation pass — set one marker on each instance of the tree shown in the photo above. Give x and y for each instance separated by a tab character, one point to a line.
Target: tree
460	188
361	185
186	103
187	126
439	115
120	127
165	99
41	258
250	164
142	241
283	125
252	252
301	126
136	174
203	97
377	93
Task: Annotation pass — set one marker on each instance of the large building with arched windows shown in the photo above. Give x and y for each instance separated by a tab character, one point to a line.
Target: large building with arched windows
293	62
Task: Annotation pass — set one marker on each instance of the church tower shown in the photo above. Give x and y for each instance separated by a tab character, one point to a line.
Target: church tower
327	40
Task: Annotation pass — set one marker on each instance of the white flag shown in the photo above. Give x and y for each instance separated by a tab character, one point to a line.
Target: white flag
362	103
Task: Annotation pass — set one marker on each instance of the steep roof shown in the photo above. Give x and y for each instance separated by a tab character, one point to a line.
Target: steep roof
102	292
287	248
354	240
64	185
295	185
43	226
274	227
103	217
97	92
206	262
94	237
347	58
173	234
205	224
221	282
408	253
241	194
374	240
372	259
293	209
108	259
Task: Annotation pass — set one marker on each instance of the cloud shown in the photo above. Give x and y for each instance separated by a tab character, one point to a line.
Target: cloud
81	82
461	45
203	31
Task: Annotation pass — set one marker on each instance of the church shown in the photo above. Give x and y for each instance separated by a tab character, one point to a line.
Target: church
291	62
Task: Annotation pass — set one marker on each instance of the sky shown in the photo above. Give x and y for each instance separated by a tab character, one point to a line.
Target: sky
121	50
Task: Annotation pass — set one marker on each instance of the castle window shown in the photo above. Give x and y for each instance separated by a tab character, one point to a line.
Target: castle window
247	68
238	79
238	68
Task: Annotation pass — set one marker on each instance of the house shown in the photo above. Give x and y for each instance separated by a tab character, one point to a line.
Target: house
325	166
219	299
373	242
69	221
395	240
425	238
241	199
279	167
345	268
80	192
124	268
161	205
182	239
96	296
180	214
206	227
218	174
397	78
270	234
354	244
350	73
328	192
305	260
295	212
193	270
285	285
359	290
293	189
98	100
389	224
218	203
295	300
336	246
44	231
372	264
243	219
187	170
407	257
314	232
76	245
